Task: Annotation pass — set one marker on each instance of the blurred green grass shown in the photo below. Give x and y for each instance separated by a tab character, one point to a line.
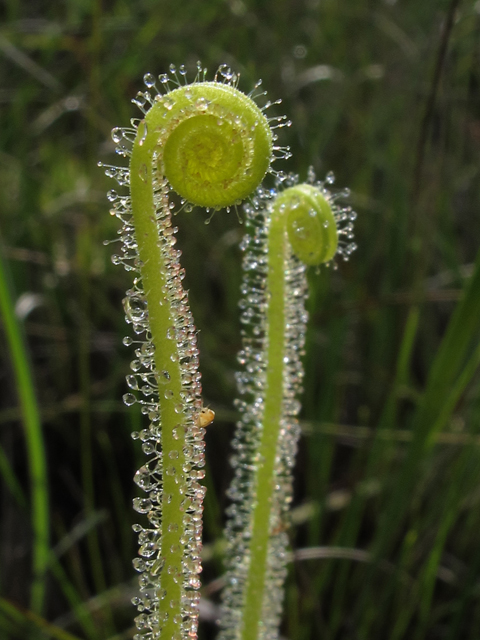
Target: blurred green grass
387	95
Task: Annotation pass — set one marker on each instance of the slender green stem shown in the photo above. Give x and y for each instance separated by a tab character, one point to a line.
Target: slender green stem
268	450
299	226
34	438
83	261
212	145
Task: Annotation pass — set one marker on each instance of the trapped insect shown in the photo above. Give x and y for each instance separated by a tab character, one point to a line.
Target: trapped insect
205	417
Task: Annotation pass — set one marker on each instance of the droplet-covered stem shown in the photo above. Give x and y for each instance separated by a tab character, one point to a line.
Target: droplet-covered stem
286	231
264	480
161	323
300	222
212	145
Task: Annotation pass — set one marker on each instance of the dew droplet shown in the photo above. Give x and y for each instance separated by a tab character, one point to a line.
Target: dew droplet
117	134
164	377
138	564
149	80
129	399
201	104
142	505
132	382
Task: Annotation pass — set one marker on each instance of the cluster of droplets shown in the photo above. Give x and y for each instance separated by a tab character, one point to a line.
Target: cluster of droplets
146	382
252	388
344	216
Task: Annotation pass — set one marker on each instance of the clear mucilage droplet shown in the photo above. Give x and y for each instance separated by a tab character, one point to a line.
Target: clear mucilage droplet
129	399
149	80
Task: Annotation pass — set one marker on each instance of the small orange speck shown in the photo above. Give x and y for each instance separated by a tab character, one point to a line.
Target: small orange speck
205	417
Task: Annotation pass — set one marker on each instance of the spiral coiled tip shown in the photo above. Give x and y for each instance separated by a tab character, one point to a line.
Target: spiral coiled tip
212	142
318	229
219	147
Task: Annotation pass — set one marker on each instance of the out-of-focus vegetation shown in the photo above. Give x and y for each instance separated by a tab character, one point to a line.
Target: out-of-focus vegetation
386	514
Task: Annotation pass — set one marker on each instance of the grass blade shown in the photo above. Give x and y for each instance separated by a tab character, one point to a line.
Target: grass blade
33	435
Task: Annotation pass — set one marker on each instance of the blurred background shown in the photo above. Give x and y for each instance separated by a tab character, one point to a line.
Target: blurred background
384	93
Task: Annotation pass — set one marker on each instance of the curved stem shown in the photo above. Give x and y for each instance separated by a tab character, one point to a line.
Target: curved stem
285	232
212	145
274	290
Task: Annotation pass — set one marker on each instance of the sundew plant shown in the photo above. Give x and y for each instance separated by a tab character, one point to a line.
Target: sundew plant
212	145
383	519
288	229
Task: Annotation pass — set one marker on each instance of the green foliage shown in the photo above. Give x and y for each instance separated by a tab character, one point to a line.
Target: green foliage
391	379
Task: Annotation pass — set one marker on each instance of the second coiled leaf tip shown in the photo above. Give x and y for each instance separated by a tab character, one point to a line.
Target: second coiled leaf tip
311	225
318	229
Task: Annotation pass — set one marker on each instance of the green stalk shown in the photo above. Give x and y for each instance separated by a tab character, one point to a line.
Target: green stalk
300	226
25	387
161	315
212	145
265	477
